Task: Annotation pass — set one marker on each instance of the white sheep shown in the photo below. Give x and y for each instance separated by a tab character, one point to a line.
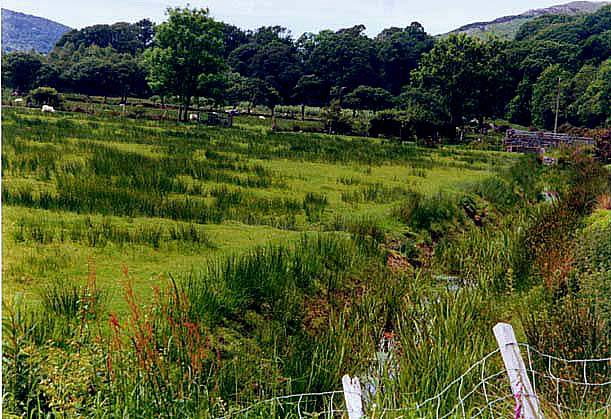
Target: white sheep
47	108
193	117
19	100
261	117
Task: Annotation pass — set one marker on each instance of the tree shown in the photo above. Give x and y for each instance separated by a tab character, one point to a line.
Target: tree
45	96
597	48
130	76
188	50
270	56
464	72
594	106
309	91
233	37
371	98
399	52
518	108
426	113
579	85
121	36
345	58
254	91
20	70
93	76
334	120
545	93
145	33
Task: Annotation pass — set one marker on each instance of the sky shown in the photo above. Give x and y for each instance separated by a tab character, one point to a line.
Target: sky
437	16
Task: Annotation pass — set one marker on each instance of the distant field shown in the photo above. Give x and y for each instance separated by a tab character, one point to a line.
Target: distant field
160	197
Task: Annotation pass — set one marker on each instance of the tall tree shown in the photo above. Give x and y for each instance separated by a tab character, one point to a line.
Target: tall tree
367	97
554	83
269	56
462	70
594	106
309	91
233	37
399	52
20	70
188	50
346	58
121	36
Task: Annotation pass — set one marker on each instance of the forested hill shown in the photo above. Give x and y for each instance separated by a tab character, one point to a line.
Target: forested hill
506	27
21	32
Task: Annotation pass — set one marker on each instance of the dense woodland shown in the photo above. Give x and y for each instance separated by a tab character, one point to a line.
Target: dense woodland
421	84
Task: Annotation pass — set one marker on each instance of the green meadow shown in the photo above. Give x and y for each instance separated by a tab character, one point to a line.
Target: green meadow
107	193
161	269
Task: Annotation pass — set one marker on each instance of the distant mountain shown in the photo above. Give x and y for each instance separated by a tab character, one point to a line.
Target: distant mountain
506	27
21	32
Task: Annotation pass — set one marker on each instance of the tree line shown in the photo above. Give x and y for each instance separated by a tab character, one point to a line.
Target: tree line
417	83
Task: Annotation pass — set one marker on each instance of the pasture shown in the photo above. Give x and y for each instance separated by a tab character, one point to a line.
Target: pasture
152	268
158	197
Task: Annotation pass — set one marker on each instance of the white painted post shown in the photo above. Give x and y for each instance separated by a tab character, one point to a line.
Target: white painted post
353	396
516	370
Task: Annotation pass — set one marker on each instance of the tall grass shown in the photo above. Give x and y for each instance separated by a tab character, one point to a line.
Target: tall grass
92	233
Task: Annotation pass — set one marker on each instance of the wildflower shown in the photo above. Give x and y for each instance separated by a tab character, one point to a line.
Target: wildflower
114	321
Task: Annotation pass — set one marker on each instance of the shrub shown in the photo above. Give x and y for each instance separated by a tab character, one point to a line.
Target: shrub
45	96
436	214
390	123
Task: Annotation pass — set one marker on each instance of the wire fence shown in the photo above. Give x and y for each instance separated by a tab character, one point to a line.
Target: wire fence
562	388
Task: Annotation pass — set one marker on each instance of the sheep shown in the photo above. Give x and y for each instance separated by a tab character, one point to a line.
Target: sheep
261	117
19	100
193	117
47	108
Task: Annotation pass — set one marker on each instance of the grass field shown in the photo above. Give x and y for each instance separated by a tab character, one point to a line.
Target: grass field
239	188
157	269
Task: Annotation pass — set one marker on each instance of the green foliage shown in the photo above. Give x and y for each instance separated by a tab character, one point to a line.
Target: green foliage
269	56
399	52
345	58
187	49
20	70
334	120
594	104
309	91
463	69
365	97
131	38
434	214
552	81
45	96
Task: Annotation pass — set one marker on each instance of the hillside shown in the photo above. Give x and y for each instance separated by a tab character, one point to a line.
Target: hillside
506	27
21	32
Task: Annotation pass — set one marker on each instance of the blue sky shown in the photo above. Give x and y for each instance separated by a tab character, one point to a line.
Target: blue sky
437	16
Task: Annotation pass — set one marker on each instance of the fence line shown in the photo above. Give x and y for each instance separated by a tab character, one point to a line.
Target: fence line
531	382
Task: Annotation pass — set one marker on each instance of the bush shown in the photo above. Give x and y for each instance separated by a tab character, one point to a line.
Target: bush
45	96
436	214
390	123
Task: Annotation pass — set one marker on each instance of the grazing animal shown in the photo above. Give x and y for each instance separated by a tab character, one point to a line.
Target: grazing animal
47	108
193	117
261	117
19	100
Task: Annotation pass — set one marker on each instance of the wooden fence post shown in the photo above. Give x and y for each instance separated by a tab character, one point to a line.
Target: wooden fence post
516	370
353	396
